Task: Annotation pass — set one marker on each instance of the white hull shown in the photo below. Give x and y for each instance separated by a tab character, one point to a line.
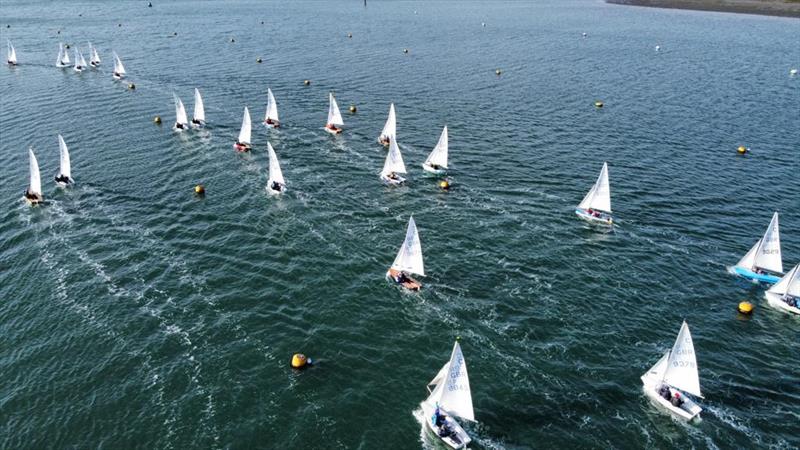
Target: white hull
392	181
458	438
118	76
198	124
271	191
175	127
78	69
333	132
431	170
776	302
688	411
603	219
273	125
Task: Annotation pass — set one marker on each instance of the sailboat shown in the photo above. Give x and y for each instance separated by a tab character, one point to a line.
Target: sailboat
334	116
389	129
63	56
450	397
393	165
764	257
271	117
34	194
199	117
275	184
64	177
243	142
596	206
408	260
181	121
12	55
80	62
674	375
785	294
94	58
437	161
119	69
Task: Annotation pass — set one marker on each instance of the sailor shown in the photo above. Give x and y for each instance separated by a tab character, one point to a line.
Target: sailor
179	126
276	186
272	122
664	392
62	179
32	197
677	401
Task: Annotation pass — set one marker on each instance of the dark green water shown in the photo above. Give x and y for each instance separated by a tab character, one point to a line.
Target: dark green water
134	315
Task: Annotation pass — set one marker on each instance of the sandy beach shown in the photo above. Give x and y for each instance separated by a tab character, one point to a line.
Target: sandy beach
787	8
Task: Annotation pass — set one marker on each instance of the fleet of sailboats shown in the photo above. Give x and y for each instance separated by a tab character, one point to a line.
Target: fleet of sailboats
408	260
271	119
11	57
450	398
673	376
596	206
64	176
763	261
389	129
436	163
243	141
335	121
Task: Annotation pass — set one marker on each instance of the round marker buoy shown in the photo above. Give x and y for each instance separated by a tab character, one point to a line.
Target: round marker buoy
66	46
444	184
131	86
157	120
233	40
792	72
353	109
301	361
742	150
405	50
200	190
149	4
498	72
746	308
258	60
598	104
350	35
307	82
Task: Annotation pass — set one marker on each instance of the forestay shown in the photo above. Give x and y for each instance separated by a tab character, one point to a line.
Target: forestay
409	258
199	109
180	112
394	160
789	284
681	372
65	168
452	391
334	116
390	128
275	174
35	186
599	197
272	107
244	133
438	156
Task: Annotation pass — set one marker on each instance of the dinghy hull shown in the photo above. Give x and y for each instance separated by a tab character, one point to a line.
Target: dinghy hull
239	147
688	411
333	132
753	276
456	438
393	181
410	283
776	301
271	191
603	219
429	170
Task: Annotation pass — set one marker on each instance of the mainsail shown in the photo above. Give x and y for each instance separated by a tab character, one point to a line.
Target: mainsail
35	187
766	253
599	197
272	107
681	371
118	67
12	54
390	128
438	156
334	116
65	167
180	112
394	160
275	174
452	392
409	258
199	110
244	133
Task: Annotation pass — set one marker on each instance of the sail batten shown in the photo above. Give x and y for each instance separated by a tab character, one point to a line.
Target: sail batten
334	116
199	109
599	196
409	257
244	133
438	155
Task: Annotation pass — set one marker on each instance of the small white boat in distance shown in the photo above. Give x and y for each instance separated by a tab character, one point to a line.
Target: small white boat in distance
450	397
80	62
271	119
119	69
764	258
33	195
334	116
243	142
275	184
389	129
393	166
94	58
408	260
596	206
675	374
63	56
11	57
785	294
64	177
199	117
181	121
437	161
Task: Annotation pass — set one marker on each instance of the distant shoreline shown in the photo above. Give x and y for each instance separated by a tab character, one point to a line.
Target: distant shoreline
783	8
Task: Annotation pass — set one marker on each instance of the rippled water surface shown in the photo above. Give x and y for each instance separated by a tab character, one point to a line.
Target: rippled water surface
134	314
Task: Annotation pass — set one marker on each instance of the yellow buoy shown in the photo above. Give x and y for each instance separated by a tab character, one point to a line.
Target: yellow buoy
444	184
742	150
200	189
258	60
746	308
598	104
353	109
157	120
307	82
299	361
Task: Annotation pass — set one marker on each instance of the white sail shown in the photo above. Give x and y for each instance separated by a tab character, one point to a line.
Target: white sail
244	133
272	107
118	67
334	116
275	174
394	160
35	186
789	284
12	54
80	62
65	168
60	58
768	256
180	112
681	372
64	55
409	258
749	258
390	128
438	156
452	391
94	58
599	197
656	373
199	109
